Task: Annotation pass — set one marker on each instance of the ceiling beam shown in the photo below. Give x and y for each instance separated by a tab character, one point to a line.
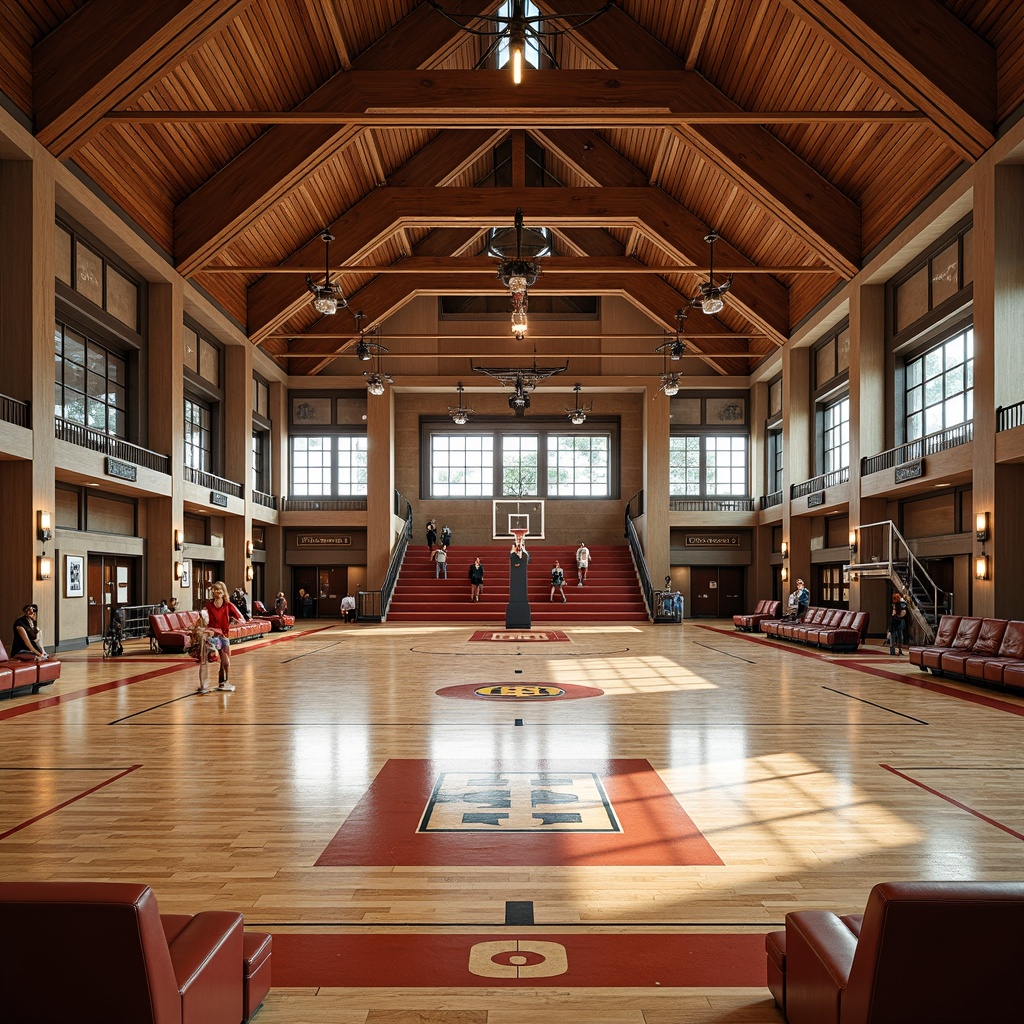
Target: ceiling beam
107	53
925	56
269	168
787	187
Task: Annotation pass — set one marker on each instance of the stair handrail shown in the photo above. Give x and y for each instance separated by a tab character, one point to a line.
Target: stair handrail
397	556
915	568
640	564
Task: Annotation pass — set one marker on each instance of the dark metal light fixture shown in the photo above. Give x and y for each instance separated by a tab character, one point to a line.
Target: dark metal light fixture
578	414
370	350
709	297
673	348
518	274
522	380
460	414
327	297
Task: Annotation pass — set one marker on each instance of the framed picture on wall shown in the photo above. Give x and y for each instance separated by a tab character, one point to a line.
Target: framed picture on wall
726	411
74	576
186	576
311	412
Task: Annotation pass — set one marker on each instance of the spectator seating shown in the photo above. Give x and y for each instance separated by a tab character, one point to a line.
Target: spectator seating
922	952
96	952
985	651
766	609
20	673
834	628
172	630
278	623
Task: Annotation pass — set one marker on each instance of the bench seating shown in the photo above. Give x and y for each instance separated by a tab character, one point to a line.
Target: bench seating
25	673
172	630
837	629
983	651
766	609
921	953
278	623
102	951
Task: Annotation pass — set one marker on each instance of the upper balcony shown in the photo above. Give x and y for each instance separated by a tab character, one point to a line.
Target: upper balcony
945	456
82	450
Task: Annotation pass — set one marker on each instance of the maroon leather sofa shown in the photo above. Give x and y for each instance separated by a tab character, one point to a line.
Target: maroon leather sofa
834	628
921	953
766	609
983	651
21	673
278	623
172	631
101	953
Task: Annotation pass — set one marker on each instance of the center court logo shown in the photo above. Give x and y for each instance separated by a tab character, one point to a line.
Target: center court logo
520	692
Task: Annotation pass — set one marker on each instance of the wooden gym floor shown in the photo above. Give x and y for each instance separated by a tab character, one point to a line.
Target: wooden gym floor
604	835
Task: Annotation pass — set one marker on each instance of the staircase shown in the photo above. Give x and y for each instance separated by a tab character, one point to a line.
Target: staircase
612	592
882	551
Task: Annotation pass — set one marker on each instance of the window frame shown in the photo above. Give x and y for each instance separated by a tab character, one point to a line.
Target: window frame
823	428
964	327
206	407
333	465
702	436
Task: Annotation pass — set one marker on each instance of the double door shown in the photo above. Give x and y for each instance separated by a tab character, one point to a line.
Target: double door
716	592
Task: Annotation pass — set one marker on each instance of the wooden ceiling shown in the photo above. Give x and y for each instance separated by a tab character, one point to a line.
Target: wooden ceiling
234	131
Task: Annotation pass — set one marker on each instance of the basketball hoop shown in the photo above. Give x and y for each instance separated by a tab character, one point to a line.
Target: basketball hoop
519	536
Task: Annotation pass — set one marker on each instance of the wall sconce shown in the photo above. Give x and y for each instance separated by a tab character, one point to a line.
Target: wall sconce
179	570
44	566
44	524
785	549
981	528
785	574
179	539
981	567
853	542
248	572
248	549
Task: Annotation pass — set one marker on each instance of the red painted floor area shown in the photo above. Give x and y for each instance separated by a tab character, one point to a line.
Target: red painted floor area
433	961
382	828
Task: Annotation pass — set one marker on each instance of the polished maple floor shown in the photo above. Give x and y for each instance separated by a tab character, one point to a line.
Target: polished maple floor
720	781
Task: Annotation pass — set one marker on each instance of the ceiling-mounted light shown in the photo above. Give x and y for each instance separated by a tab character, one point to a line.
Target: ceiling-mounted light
522	380
369	349
578	414
673	348
460	414
709	297
327	297
518	274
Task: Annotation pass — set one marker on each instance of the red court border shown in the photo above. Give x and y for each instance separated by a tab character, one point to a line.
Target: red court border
381	830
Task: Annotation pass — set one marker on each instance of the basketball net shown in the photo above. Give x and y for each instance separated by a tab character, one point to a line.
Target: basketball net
519	536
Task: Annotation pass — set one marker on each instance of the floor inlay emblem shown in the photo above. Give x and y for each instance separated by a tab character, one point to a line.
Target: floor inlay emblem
544	692
522	636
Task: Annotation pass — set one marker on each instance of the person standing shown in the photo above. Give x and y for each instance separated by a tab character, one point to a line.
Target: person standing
348	608
300	603
897	624
27	641
582	563
557	581
431	535
280	604
440	558
476	580
446	536
219	613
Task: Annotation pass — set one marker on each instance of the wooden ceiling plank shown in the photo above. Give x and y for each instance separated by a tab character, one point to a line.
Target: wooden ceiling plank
926	56
105	54
700	31
791	190
263	173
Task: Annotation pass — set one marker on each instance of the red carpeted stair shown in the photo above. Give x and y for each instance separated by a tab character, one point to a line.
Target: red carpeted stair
612	592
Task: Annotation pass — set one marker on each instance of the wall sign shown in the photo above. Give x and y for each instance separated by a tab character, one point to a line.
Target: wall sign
322	540
705	540
818	498
909	471
122	470
216	498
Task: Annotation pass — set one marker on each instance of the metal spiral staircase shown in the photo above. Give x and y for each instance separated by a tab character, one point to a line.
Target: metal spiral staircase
882	551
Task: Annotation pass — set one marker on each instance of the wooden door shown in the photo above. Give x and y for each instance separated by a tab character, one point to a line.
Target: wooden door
730	591
704	591
94	595
304	577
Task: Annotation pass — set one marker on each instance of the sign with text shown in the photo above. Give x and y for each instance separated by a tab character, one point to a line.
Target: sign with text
322	540
910	471
818	498
712	540
122	470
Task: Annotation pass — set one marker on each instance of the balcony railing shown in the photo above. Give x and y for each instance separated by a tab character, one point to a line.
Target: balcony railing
711	505
953	437
1010	416
771	500
264	499
819	483
13	411
214	483
115	447
323	504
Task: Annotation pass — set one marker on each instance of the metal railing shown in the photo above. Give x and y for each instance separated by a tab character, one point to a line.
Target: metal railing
214	483
635	505
940	441
820	483
640	563
711	505
771	500
13	411
323	504
115	447
1009	416
135	619
264	499
372	605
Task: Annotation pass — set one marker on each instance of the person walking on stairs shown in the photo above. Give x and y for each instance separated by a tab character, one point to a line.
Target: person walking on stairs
557	581
476	580
582	563
440	557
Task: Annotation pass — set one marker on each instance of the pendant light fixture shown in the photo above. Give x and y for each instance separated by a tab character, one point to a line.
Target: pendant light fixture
327	297
709	297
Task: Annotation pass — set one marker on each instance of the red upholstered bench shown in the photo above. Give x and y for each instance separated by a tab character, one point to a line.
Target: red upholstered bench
172	630
983	651
20	673
278	623
836	629
766	609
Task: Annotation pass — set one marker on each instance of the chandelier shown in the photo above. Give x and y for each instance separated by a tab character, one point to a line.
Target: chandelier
517	274
709	295
578	414
460	414
370	350
327	297
521	32
522	380
673	348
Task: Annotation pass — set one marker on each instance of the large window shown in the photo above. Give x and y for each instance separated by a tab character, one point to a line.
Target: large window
507	462
260	461
775	459
835	438
334	466
711	466
940	386
198	435
90	383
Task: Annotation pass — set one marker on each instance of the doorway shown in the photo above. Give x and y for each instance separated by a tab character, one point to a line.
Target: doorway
716	592
328	584
111	581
